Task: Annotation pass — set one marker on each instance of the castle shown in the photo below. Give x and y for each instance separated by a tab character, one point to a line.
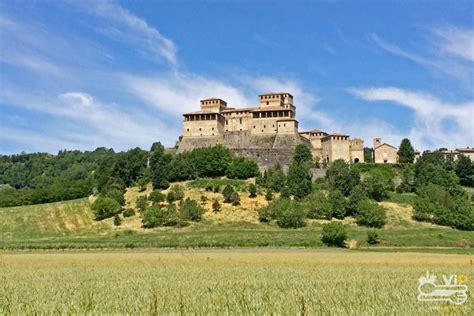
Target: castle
267	133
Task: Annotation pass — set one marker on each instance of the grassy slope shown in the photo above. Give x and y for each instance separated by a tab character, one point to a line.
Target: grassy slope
70	225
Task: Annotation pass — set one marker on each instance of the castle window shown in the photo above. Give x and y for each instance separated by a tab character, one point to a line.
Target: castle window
187	130
213	129
199	129
268	103
240	120
254	126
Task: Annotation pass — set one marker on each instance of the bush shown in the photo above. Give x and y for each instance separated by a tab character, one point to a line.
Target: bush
157	197
285	192
117	220
252	190
117	195
378	185
371	214
104	207
338	204
141	203
291	216
317	206
190	210
216	206
342	177
235	199
334	234
273	209
177	191
129	212
241	168
357	195
157	216
372	237
228	193
269	195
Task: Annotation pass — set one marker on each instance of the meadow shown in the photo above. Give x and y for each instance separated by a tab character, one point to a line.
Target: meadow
283	281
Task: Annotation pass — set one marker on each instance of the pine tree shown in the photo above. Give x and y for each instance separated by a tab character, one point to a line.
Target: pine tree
406	153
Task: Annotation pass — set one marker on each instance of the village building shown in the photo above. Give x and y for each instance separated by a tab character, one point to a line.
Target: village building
384	153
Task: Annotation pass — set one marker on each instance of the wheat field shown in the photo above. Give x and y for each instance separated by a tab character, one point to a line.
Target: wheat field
251	281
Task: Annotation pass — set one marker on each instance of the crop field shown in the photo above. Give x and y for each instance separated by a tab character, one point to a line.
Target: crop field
285	281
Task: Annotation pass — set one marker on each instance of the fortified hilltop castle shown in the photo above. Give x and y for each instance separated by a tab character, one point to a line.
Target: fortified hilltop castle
267	133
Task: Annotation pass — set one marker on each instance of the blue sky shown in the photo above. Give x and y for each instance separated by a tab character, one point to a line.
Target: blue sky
84	74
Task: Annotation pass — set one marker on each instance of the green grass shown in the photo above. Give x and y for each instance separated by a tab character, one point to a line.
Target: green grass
402	198
235	282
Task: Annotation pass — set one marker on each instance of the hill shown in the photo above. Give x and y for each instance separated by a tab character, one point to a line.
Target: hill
71	224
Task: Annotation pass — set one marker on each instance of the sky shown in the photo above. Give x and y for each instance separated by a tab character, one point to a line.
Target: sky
87	74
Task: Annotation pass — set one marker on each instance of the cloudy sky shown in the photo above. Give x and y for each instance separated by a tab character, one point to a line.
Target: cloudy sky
84	74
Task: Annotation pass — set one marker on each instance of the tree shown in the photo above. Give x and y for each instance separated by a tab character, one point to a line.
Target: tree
406	153
159	166
104	207
156	196
274	178
378	185
141	203
318	206
228	193
465	170
338	204
190	210
342	177
117	220
291	217
273	209
269	195
285	192
129	212
242	168
357	195
408	179
235	198
368	155
156	216
302	154
177	191
334	234
371	214
252	190
216	206
372	237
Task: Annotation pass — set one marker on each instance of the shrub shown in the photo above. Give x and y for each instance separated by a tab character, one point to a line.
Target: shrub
104	207
190	210
216	206
285	192
334	234
372	237
378	185
241	168
228	193
273	209
157	216
342	177
178	192
317	206
156	196
357	195
291	217
129	212
371	214
117	220
141	203
117	195
338	204
252	190
269	195
235	199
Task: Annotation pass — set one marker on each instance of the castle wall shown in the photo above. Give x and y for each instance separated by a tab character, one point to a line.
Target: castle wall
202	128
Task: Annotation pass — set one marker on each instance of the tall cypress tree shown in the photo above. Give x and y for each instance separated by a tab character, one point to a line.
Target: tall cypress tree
406	153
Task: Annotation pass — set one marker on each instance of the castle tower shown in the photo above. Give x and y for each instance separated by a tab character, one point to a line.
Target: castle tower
377	142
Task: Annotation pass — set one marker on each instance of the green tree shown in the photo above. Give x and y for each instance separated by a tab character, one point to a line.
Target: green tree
299	176
228	193
156	196
338	204
291	217
269	195
155	216
372	237
159	166
465	170
104	207
368	155
177	191
242	168
274	178
357	195
406	153
117	220
318	206
190	210
342	177
252	190
302	154
216	206
141	202
235	198
371	214
334	234
285	192
378	185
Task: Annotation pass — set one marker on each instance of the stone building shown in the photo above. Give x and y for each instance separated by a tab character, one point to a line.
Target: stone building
454	154
267	133
384	153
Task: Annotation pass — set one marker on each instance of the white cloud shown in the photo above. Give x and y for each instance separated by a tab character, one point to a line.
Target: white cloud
457	41
438	123
121	25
